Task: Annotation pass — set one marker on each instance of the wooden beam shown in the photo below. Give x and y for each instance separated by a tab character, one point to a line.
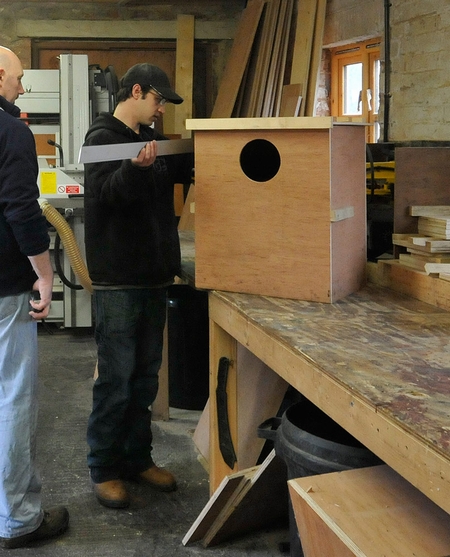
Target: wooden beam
184	72
131	29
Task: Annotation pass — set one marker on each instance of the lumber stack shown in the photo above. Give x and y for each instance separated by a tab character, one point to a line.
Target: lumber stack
429	249
261	67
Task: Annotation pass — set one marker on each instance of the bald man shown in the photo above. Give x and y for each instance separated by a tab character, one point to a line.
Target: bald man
25	267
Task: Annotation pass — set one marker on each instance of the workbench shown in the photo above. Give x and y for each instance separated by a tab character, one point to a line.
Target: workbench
377	362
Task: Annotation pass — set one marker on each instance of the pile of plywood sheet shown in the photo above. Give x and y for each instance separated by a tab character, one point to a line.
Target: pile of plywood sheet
429	250
269	54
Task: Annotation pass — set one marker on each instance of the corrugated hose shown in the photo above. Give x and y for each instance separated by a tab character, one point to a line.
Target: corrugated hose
69	242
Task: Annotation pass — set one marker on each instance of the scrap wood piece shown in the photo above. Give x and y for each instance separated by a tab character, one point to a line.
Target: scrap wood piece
228	490
237	62
291	99
421	242
429	210
261	502
437	268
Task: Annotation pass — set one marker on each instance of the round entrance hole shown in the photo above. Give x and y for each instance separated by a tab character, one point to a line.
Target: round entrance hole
260	160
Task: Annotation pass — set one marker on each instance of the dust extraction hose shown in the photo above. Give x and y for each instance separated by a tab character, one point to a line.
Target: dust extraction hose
69	242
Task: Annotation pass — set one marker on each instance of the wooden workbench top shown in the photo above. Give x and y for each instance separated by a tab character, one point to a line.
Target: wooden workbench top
391	349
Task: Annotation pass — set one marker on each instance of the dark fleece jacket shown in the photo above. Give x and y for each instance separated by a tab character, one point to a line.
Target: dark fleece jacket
131	232
23	229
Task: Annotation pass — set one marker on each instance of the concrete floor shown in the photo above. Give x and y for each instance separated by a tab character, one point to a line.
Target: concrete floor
155	523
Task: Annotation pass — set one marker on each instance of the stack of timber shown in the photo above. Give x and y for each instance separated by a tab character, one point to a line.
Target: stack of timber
429	250
273	59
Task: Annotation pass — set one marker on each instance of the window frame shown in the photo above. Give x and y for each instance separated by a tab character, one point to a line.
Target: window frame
368	54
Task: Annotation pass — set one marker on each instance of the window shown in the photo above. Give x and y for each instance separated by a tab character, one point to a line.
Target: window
355	79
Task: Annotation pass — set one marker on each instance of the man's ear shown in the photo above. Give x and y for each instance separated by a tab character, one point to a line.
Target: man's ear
136	91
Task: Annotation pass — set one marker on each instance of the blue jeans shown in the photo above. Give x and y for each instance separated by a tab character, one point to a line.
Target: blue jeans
20	486
129	327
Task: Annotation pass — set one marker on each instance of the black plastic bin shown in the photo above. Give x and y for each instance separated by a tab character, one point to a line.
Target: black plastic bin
311	443
188	343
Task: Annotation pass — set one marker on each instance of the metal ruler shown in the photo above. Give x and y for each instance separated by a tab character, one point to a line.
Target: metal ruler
121	151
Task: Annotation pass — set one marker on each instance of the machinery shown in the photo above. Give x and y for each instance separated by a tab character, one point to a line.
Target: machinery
59	106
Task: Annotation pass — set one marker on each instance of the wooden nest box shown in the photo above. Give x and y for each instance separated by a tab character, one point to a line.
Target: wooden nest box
280	206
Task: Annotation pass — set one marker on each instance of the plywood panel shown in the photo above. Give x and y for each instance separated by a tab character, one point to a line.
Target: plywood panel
373	512
248	233
348	266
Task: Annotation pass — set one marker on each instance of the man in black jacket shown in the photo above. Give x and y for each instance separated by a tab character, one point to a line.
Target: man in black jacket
133	254
24	267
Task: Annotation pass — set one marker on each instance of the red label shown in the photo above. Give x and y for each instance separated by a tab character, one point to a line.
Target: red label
73	189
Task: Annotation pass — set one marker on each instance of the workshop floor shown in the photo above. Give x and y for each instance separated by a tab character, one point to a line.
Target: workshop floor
155	523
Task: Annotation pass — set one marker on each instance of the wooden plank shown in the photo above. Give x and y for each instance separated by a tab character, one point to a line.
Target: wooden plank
273	67
160	406
419	285
427	244
306	17
430	211
291	100
184	72
239	55
228	489
261	392
286	31
201	436
221	344
437	268
403	522
316	57
264	56
261	502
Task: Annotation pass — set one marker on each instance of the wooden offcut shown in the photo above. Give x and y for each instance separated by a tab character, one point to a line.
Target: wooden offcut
245	501
367	512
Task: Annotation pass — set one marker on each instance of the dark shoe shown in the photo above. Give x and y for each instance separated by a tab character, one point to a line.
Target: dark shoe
55	522
159	478
112	494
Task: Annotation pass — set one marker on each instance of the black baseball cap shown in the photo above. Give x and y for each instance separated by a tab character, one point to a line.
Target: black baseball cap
147	75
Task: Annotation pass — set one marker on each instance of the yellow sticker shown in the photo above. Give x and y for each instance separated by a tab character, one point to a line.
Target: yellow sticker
48	182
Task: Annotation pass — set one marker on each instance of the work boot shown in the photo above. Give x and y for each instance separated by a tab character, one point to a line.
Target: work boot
112	494
54	523
159	478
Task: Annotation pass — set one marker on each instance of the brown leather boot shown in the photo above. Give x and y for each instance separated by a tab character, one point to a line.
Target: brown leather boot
159	478
112	494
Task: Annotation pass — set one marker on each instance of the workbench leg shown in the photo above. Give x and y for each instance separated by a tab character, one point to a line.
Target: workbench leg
160	407
221	344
